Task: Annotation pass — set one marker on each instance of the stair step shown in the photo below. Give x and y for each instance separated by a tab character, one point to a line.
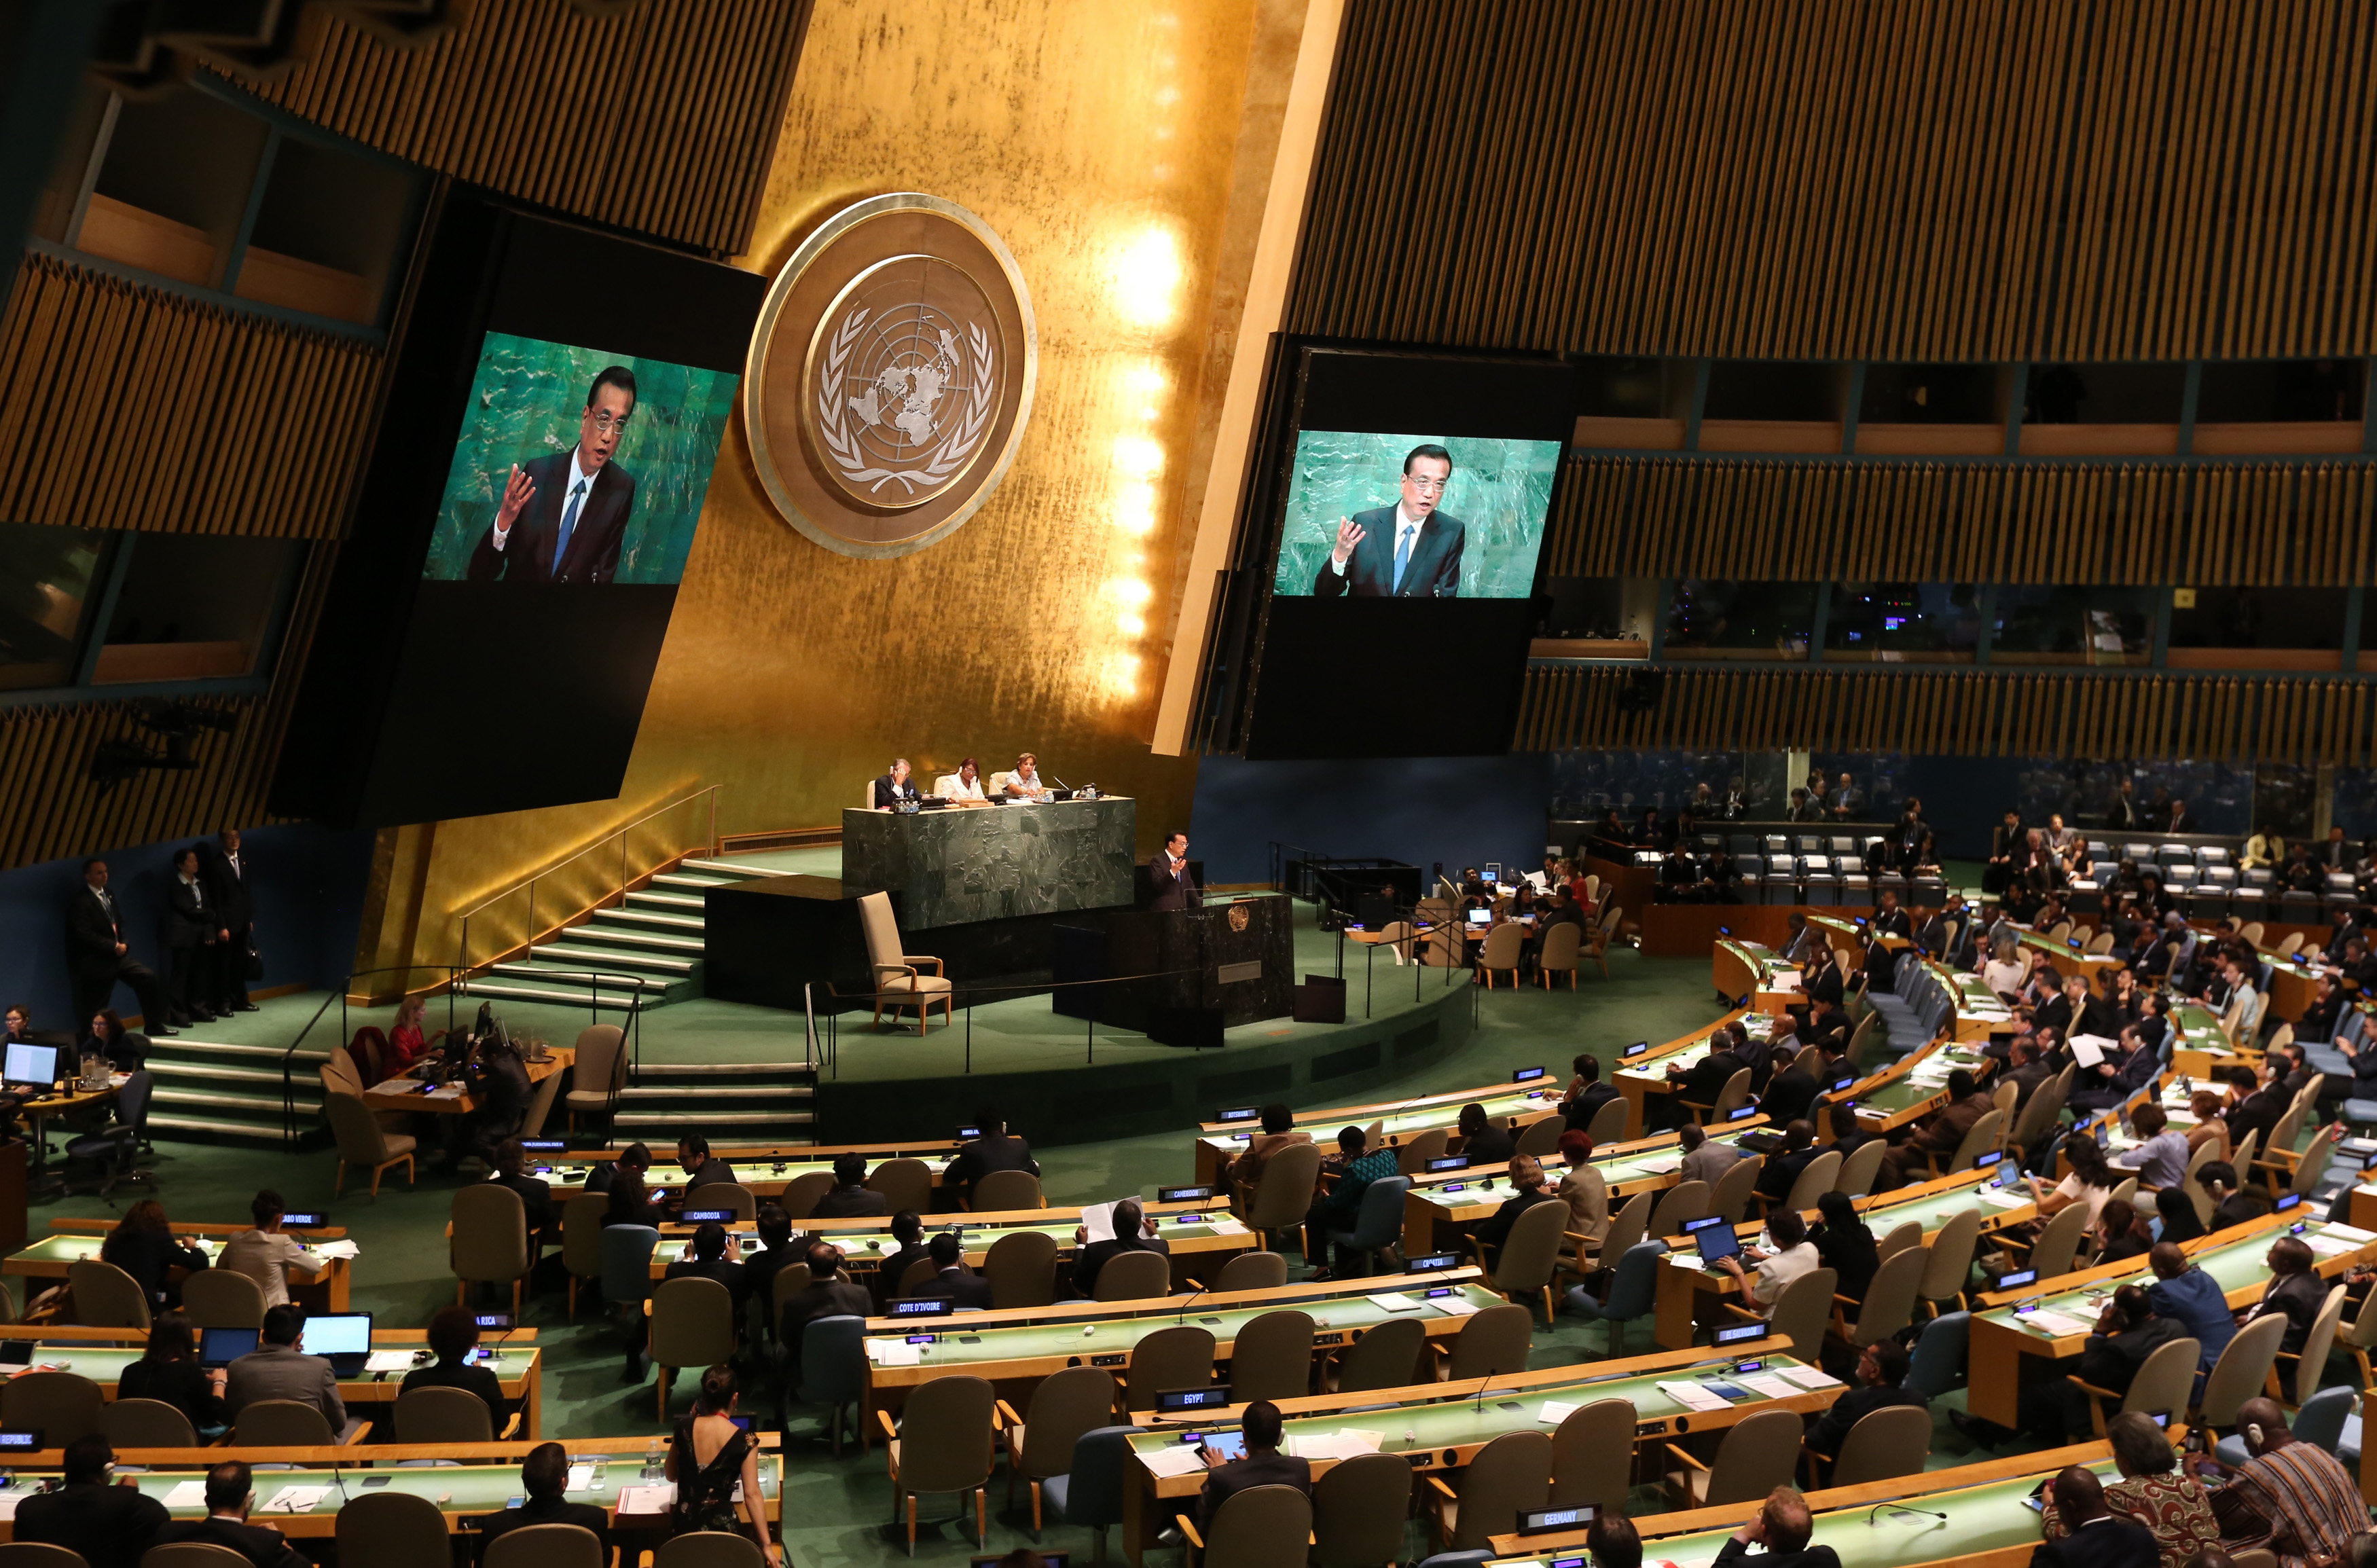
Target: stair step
167	1125
616	1001
724	1069
174	1075
664	900
181	1043
622	979
716	1091
620	957
631	936
679	880
647	917
729	869
710	1119
256	1105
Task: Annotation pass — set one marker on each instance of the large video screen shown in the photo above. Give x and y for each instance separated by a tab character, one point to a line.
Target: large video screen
578	465
1404	516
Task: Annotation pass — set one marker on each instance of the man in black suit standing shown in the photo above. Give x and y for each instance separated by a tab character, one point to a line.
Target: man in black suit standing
194	942
97	956
1407	551
1168	875
226	880
564	515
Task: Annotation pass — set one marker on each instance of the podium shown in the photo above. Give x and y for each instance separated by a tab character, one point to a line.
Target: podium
1237	955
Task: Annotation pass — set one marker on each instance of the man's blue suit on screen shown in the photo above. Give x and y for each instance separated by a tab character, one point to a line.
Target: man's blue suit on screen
1432	570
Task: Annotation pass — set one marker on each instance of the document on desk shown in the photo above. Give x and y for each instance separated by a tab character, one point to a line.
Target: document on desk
2351	1233
345	1249
1393	1302
296	1500
188	1494
1660	1165
2055	1323
1223	1225
389	1362
2331	1246
1693	1396
649	1498
1808	1377
2004	1197
894	1352
582	1478
1766	1383
1453	1306
1168	1464
1554	1412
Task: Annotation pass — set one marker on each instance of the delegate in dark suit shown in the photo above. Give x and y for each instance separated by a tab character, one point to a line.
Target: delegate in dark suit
954	1283
1264	1470
110	1525
2105	1541
997	1149
225	868
592	552
1173	889
1432	572
263	1547
548	1510
94	930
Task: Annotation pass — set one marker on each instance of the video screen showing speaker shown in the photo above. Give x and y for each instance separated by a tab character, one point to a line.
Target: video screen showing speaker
554	414
1403	551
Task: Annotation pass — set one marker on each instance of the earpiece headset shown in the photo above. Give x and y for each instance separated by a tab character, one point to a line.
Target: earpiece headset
2253	1433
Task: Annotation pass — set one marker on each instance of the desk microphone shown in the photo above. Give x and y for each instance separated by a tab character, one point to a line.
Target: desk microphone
1902	1508
1183	1316
1482	1383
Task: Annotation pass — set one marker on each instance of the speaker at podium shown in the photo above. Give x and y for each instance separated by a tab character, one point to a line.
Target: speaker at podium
1181	976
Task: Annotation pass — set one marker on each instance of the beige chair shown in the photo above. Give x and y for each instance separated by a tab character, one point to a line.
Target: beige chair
1489	1344
1509	1476
105	1297
2290	1369
1272	1357
1562	944
2058	1246
1799	1312
1265	1527
2358	1337
582	1242
1530	1256
39	1554
446	1415
191	1554
539	1108
2241	1371
1815	1179
61	1407
1067	1404
1949	1267
907	1182
1500	952
1883	1445
490	1241
2161	1387
146	1423
1863	1165
2309	1164
547	1546
1593	1456
1609	1122
391	1529
1175	1358
805	1192
1541	1137
2125	1190
1889	1304
728	1195
1133	1277
900	982
363	1143
598	1073
1905	1234
1252	1271
1756	1454
223	1298
286	1423
1387	1357
1359	1508
1395	936
1684	1201
1021	1268
2252	931
1284	1195
1629	1225
1412	1155
1007	1192
1978	1140
708	1548
1731	1195
693	1326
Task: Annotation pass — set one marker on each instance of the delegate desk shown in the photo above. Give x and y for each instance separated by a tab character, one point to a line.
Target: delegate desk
62	1101
1202	1241
2009	1348
50	1258
1394	1122
1439	1428
1914	1086
1645	1075
102	1354
766	1169
1023	1344
1981	1014
1976	1518
414	1094
2071	957
1746	969
1464	1197
2203	1044
485	1479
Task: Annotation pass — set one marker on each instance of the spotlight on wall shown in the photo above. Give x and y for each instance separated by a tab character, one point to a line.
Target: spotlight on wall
176	723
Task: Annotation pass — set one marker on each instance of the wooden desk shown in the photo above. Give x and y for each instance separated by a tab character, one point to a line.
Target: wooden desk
1395	1121
63	1102
50	1258
1201	1238
386	1096
1740	968
1643	1077
766	1169
1914	1086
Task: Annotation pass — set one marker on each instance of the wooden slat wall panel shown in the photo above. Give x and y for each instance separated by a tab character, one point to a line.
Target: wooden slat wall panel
1850	179
130	407
1968	714
2259	524
48	809
660	118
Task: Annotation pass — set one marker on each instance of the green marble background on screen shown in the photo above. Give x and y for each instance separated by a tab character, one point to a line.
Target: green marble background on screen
525	400
1500	491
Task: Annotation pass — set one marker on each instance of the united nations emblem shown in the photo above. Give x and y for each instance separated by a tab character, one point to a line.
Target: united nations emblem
889	378
1239	917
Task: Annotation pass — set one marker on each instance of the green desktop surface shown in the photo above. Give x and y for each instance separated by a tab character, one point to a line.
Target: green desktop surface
469	1489
955	1344
2234	1266
67	1248
1936	1209
1760	1026
1762	960
2199	1027
1914	1087
105	1363
1447	1422
1982	1518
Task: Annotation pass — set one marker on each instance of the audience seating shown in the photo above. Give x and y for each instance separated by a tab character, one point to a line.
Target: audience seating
105	1297
146	1423
832	1360
547	1546
1510	1475
597	1074
221	1299
943	1443
362	1142
490	1241
1263	1526
692	1325
1064	1407
1272	1357
1358	1510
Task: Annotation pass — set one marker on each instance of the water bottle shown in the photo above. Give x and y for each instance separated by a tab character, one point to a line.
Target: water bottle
653	1464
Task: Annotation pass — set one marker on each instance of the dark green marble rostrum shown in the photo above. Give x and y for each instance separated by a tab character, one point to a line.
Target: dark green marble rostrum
949	867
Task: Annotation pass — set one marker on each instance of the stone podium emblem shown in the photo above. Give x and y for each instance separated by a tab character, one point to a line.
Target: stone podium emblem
1239	917
891	375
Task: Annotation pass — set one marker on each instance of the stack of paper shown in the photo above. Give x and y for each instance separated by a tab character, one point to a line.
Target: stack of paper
188	1494
1180	1459
1393	1302
2005	1197
1809	1377
389	1362
1554	1412
1453	1306
342	1248
2054	1323
894	1352
2331	1246
1693	1396
1768	1385
1659	1165
1225	1226
649	1498
2351	1233
1347	1445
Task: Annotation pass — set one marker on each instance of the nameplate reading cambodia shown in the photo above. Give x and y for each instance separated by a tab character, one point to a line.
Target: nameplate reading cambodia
891	375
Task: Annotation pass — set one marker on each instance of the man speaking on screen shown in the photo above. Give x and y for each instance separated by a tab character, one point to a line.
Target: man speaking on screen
563	516
1407	551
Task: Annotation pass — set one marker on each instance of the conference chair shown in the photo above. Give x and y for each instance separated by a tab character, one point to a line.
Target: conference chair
1608	1123
1378	1226
286	1423
221	1299
1283	1196
1593	1456
1387	1357
692	1325
914	1276
1541	1137
2290	1368
899	983
539	1108
1272	1357
364	1142
1883	1445
1093	1493
1006	1192
832	1363
597	1074
1731	1099
1978	1140
1530	1256
2241	1372
1359	1508
446	1414
1685	1202
805	1192
2057	1250
1500	952
1490	1343
2161	1387
1628	1227
1252	1271
1021	1268
1134	1276
1395	936
116	1148
731	1195
709	1549
1412	1155
191	1554
1563	944
1898	1238
581	1243
547	1546
105	1297
1265	1527
1756	1454
907	1182
61	1407
627	1264
1815	1179
1858	1171
147	1423
1799	1312
1948	1266
1509	1476
40	1554
490	1241
1066	1407
1889	1304
391	1529
1175	1358
1730	1196
1633	1292
1936	1363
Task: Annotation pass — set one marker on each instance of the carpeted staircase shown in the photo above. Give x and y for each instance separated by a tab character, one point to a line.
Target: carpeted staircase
655	936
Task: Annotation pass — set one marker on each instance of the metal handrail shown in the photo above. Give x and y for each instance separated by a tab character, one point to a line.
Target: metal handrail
620	832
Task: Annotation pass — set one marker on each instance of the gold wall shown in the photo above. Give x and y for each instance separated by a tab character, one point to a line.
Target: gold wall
1123	154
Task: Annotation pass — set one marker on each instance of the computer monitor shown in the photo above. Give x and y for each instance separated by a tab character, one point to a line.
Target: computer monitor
30	1064
1717	1241
335	1334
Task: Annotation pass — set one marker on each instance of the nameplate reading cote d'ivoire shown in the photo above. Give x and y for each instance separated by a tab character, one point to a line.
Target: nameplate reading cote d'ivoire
891	375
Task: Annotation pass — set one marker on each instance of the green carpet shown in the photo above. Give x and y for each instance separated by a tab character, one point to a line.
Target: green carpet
834	1511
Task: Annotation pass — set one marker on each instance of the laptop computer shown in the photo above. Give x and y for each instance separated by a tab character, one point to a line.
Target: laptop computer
1479	918
221	1346
341	1338
1717	1241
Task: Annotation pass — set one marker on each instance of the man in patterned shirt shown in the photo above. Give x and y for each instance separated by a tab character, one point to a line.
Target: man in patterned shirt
2291	1498
1337	1208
